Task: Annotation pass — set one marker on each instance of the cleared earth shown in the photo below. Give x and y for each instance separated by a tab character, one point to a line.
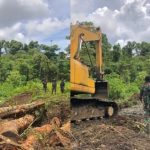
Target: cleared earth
124	132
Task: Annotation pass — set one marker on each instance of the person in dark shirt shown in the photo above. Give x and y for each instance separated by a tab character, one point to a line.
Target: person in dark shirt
44	82
54	86
145	98
62	86
145	95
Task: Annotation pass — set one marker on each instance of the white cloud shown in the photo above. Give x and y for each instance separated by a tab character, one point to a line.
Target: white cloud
46	27
129	22
26	20
34	30
12	11
122	42
14	32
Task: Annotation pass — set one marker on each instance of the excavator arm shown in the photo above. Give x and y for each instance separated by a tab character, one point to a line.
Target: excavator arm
79	75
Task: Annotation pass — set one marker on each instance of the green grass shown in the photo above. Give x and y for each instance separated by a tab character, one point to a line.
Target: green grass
119	91
7	91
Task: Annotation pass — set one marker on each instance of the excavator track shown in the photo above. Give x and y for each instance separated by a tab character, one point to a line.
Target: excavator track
90	108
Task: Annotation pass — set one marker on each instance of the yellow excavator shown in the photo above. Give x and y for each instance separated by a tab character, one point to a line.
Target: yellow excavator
97	105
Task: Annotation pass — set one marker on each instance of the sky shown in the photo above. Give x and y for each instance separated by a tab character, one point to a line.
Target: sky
121	20
45	21
48	21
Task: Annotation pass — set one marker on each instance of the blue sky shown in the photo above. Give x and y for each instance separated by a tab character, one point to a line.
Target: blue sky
39	20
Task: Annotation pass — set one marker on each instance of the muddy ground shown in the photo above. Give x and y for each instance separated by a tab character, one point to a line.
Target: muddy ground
124	132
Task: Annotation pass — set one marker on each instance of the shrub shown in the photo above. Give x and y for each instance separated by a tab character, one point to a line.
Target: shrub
118	89
16	79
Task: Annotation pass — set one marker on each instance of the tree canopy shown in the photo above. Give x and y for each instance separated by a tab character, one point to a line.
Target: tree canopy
32	61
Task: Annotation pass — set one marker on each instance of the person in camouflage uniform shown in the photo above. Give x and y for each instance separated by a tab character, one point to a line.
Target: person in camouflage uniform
145	98
145	95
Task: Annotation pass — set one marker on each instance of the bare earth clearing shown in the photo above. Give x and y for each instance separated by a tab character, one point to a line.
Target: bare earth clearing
124	132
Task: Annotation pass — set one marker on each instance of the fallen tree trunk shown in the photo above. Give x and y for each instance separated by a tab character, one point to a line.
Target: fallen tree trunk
33	138
66	127
8	144
53	131
11	128
6	111
65	134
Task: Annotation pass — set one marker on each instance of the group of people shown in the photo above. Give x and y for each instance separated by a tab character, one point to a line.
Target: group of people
54	86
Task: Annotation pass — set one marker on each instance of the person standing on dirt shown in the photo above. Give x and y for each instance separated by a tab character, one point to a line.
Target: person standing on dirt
145	95
62	86
145	98
44	82
54	86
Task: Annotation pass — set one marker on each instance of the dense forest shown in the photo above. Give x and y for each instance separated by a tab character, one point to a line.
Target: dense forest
23	66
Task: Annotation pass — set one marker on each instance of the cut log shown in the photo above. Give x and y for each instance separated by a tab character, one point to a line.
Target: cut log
67	127
53	131
11	128
8	144
32	140
64	134
61	136
6	111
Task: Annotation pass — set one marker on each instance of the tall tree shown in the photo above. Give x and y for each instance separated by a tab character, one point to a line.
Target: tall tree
1	46
145	48
15	46
129	49
33	45
51	51
106	47
116	53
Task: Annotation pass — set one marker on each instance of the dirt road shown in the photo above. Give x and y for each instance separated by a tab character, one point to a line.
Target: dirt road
134	110
124	132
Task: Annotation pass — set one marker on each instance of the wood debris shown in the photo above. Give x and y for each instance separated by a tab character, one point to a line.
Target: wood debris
11	130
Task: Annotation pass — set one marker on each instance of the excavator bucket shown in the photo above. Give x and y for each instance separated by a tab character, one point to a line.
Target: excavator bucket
101	90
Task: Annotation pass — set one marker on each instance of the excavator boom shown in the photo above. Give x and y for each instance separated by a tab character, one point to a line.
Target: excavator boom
80	81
